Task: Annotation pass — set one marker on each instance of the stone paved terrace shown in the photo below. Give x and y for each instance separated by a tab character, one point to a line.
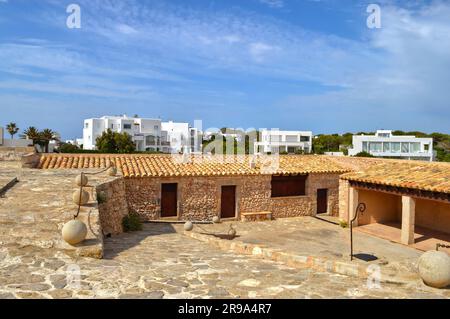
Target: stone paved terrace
310	236
160	262
34	210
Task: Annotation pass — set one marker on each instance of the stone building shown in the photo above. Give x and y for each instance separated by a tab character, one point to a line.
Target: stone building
406	202
200	187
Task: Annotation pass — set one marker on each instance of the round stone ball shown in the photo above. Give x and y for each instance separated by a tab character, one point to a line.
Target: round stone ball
216	219
81	180
112	171
74	232
83	200
188	226
434	268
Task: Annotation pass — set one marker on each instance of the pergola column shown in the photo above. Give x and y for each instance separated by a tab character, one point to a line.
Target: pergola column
353	199
408	220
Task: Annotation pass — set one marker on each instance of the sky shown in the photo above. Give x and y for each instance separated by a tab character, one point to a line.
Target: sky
287	64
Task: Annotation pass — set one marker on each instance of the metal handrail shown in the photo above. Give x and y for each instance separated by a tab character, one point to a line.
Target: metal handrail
360	209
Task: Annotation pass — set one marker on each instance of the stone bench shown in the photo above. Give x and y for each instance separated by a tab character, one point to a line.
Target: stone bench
256	216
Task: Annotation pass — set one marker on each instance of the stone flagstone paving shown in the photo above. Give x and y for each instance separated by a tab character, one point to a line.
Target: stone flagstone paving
158	262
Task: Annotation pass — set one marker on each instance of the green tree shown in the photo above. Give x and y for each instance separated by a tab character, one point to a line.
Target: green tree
124	143
32	133
12	129
46	136
114	142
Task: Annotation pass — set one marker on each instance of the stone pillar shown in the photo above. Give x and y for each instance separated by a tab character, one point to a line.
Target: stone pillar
353	200
408	219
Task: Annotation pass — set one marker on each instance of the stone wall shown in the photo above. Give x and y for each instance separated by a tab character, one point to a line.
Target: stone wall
112	206
344	187
199	198
14	153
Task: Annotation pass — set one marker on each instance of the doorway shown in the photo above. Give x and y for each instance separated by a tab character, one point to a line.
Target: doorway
169	200
228	202
322	201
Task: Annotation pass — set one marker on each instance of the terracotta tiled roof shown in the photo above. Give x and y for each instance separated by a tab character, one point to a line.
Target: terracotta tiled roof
167	165
433	177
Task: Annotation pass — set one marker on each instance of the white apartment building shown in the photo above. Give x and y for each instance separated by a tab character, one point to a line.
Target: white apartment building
385	144
148	134
181	137
276	141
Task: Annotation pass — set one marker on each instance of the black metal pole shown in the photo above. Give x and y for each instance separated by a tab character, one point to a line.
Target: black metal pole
360	209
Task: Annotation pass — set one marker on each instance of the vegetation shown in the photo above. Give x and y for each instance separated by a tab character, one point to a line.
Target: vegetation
343	223
46	136
114	142
364	154
41	138
12	129
69	148
332	143
131	222
101	198
31	133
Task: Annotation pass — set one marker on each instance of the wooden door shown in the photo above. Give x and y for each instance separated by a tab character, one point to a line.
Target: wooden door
228	202
169	200
322	201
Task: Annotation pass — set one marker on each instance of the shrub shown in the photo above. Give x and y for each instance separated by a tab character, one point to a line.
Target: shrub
343	223
364	154
131	222
101	198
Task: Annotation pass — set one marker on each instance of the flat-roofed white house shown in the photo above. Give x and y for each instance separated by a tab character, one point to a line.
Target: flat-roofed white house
385	144
181	137
147	133
276	141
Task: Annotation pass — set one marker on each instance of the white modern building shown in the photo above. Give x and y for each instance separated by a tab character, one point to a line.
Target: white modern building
181	137
276	141
148	134
385	144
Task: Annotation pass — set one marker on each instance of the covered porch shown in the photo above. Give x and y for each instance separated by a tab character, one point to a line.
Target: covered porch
424	238
420	219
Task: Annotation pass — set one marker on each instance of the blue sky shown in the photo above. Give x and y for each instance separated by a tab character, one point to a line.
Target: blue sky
289	64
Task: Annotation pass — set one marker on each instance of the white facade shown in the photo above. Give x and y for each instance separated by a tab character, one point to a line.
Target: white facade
148	134
385	144
181	138
275	141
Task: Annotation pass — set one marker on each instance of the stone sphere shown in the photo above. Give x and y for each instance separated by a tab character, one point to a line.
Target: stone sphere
188	226
74	232
434	268
81	180
83	200
216	219
112	171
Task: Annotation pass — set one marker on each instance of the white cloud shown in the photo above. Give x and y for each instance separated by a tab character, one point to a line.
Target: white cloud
126	29
273	3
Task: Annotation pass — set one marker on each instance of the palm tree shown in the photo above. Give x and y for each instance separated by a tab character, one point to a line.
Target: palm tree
31	133
46	136
12	129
